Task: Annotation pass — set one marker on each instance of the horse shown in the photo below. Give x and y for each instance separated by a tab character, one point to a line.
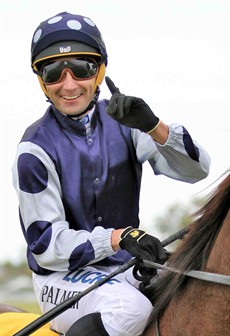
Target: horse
186	306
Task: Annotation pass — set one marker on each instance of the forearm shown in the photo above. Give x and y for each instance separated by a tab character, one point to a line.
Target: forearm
115	238
187	160
160	133
173	158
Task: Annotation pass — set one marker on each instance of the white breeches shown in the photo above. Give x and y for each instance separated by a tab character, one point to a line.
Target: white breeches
124	309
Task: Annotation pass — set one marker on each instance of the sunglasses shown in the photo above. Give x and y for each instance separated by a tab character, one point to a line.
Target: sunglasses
80	68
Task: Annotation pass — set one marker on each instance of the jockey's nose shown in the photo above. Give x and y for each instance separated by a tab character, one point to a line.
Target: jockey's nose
68	79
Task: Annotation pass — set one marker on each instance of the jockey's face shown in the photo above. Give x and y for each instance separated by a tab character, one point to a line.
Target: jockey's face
71	96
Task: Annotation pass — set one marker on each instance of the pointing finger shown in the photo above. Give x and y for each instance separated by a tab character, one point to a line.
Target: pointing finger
112	88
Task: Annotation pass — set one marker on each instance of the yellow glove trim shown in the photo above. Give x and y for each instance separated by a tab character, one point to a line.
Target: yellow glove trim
153	129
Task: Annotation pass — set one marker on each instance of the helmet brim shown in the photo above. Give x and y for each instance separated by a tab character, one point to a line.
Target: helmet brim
65	48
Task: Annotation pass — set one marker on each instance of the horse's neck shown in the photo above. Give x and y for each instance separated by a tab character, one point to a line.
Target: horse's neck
202	304
219	260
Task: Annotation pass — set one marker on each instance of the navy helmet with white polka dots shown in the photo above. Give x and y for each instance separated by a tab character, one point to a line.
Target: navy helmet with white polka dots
68	34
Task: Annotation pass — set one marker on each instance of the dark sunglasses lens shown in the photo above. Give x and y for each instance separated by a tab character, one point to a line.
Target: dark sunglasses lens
81	69
52	72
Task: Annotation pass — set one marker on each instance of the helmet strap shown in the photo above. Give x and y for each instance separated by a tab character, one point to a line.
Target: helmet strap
100	75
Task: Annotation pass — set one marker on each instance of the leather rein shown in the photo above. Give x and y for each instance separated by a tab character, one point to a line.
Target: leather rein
201	275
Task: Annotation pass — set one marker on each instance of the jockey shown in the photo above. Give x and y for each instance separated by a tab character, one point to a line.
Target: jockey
77	173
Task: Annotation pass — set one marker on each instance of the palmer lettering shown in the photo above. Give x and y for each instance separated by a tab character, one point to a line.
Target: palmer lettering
57	295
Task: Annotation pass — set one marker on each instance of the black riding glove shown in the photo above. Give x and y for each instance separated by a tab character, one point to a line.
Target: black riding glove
142	245
130	111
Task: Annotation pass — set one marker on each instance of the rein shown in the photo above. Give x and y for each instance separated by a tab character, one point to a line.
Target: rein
205	276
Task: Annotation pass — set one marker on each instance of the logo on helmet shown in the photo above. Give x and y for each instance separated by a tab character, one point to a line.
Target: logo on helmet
64	49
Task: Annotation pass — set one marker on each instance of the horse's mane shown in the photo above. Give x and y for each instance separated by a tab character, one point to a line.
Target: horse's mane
193	252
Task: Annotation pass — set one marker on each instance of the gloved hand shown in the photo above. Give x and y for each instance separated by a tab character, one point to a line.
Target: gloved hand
130	111
142	245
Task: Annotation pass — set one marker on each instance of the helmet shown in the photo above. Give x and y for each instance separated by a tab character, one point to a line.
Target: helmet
67	34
